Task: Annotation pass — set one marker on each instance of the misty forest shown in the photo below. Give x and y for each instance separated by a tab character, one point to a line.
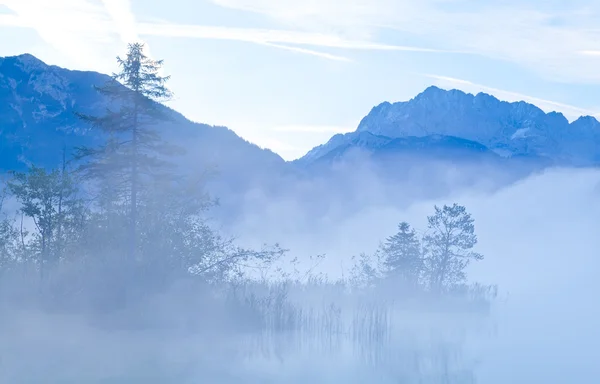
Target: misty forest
115	249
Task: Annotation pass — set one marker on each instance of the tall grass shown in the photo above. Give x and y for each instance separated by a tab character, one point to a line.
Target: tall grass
364	331
248	331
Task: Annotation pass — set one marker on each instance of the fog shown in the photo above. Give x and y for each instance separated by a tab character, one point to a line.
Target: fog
538	236
540	241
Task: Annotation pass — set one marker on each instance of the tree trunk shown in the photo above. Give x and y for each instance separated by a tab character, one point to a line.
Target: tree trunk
60	203
134	184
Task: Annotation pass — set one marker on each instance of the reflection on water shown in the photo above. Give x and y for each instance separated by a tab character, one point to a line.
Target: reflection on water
277	339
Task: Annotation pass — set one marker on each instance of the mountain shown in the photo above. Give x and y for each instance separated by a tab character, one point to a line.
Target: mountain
378	146
437	140
518	130
37	105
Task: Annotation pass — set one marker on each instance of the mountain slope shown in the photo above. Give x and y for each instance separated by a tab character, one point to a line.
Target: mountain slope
517	130
367	143
37	102
37	105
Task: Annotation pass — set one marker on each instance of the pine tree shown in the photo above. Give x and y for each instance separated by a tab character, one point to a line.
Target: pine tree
448	246
133	151
402	257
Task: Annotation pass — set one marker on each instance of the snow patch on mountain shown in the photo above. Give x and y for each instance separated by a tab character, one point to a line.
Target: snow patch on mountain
520	134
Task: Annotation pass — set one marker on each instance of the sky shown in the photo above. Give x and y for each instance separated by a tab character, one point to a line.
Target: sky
288	75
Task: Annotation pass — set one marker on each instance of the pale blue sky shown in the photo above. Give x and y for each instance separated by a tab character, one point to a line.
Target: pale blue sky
288	74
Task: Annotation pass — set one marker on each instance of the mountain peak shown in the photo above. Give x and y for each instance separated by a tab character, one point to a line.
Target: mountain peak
433	93
28	57
27	62
587	122
508	128
432	89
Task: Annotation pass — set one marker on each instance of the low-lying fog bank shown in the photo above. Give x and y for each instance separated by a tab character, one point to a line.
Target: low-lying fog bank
330	320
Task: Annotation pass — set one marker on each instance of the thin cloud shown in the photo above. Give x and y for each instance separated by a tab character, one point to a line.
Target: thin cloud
68	25
75	28
561	44
570	111
543	36
306	51
125	21
270	36
120	12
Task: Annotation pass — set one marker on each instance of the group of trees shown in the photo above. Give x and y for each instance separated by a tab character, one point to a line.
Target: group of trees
436	261
121	211
124	214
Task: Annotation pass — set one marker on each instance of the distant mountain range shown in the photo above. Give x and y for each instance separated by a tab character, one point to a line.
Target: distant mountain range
454	122
38	101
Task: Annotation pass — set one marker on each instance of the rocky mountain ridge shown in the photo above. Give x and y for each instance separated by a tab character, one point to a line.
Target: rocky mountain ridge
38	101
37	120
516	129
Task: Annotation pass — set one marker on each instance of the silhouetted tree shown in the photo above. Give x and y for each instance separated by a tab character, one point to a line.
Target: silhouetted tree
448	246
402	257
133	150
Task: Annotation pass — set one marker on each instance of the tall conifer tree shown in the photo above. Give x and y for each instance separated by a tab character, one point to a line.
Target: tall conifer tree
133	150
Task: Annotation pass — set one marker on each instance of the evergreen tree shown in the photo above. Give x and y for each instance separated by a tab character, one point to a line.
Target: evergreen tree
401	254
133	151
448	246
